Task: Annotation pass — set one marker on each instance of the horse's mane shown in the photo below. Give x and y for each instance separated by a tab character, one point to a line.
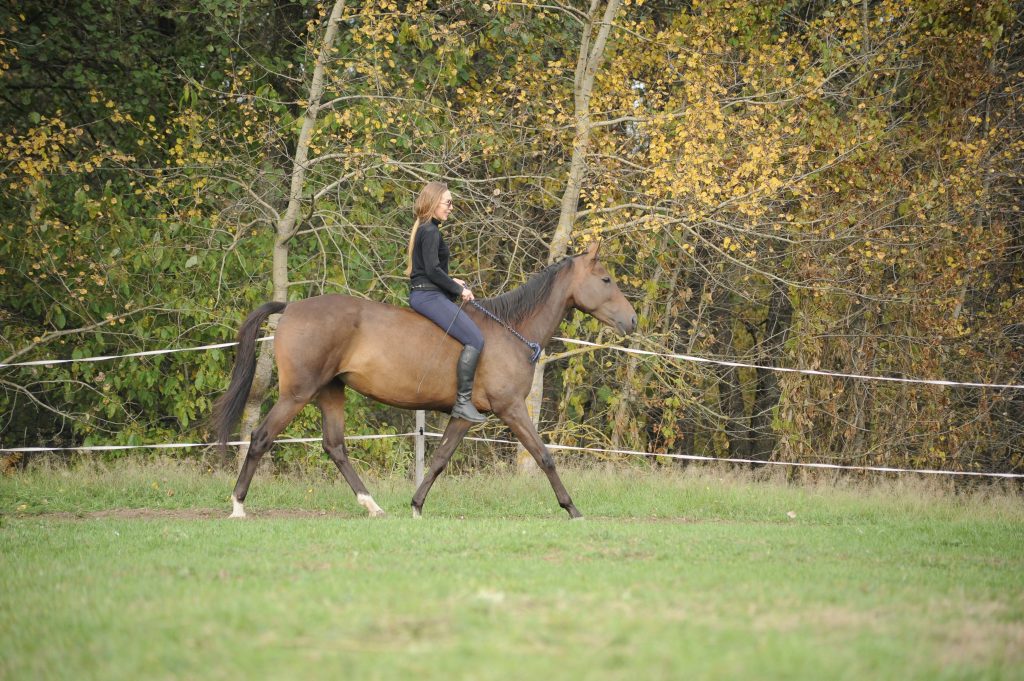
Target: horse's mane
518	304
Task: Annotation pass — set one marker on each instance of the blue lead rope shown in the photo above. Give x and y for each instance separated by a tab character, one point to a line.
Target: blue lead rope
530	344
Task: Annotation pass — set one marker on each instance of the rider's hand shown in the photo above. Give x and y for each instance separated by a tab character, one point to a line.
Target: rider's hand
467	295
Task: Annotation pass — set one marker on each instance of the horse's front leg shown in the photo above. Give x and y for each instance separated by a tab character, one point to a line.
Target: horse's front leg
518	419
453	434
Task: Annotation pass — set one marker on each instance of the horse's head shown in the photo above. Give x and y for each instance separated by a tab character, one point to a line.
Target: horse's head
594	292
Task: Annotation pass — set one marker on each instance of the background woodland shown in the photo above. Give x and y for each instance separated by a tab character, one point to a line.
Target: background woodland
822	185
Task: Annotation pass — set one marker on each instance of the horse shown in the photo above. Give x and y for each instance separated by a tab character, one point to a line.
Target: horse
393	355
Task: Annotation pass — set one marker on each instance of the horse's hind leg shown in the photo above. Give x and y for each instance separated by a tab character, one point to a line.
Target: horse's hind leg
332	405
262	438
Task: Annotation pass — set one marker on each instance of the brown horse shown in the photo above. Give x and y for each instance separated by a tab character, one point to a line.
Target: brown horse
400	358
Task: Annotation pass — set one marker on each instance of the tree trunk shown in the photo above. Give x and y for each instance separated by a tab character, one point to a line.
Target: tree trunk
286	227
629	392
679	326
588	62
777	324
730	393
858	393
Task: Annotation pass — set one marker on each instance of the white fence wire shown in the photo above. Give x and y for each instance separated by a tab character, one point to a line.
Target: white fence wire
555	447
570	341
808	372
573	341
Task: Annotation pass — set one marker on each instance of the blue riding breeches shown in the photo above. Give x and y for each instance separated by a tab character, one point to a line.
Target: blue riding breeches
435	306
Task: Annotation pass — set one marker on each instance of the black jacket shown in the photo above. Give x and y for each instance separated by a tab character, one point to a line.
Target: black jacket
430	261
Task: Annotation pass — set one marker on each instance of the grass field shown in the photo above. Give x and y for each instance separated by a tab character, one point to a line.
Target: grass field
134	573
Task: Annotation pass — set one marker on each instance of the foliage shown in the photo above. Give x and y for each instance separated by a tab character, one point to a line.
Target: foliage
818	185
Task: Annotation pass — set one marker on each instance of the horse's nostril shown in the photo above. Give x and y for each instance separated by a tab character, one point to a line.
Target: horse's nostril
634	322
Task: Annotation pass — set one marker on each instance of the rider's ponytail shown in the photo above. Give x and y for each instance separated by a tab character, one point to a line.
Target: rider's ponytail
412	242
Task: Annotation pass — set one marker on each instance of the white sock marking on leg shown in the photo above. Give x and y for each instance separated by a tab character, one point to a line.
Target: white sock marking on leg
237	508
367	502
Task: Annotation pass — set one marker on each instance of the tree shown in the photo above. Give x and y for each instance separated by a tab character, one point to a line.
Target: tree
815	185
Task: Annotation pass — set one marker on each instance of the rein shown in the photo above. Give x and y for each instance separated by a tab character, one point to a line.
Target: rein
535	347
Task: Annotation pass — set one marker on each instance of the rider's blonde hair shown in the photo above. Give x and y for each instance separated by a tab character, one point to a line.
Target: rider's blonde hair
425	207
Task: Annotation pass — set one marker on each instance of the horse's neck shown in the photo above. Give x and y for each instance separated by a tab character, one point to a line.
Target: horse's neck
541	325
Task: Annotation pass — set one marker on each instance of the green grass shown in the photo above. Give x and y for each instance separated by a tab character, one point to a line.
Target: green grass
700	575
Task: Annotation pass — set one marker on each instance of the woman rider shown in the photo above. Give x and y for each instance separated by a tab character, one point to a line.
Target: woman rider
431	291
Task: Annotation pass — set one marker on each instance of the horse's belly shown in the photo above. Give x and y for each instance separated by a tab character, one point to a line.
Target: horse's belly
398	394
403	376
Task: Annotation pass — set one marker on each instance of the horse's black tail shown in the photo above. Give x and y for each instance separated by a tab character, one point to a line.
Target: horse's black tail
228	408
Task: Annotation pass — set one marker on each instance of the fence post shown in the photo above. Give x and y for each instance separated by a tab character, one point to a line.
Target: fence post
421	421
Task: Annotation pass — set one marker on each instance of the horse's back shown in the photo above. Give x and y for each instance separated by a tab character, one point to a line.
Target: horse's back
335	321
337	309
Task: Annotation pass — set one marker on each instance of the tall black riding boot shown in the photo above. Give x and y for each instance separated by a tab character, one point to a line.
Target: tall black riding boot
464	372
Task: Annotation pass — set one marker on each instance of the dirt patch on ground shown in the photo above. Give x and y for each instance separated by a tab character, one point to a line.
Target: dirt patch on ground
818	619
984	642
294	513
992	631
187	514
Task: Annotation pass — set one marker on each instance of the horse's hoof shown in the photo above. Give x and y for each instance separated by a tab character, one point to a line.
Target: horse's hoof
574	513
367	502
417	513
579	517
237	509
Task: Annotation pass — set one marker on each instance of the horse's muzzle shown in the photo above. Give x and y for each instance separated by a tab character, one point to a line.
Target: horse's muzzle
626	327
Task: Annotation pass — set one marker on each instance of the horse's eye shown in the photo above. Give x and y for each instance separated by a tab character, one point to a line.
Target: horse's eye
607	280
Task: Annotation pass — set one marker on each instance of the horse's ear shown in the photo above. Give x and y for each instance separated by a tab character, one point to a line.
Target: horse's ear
592	251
